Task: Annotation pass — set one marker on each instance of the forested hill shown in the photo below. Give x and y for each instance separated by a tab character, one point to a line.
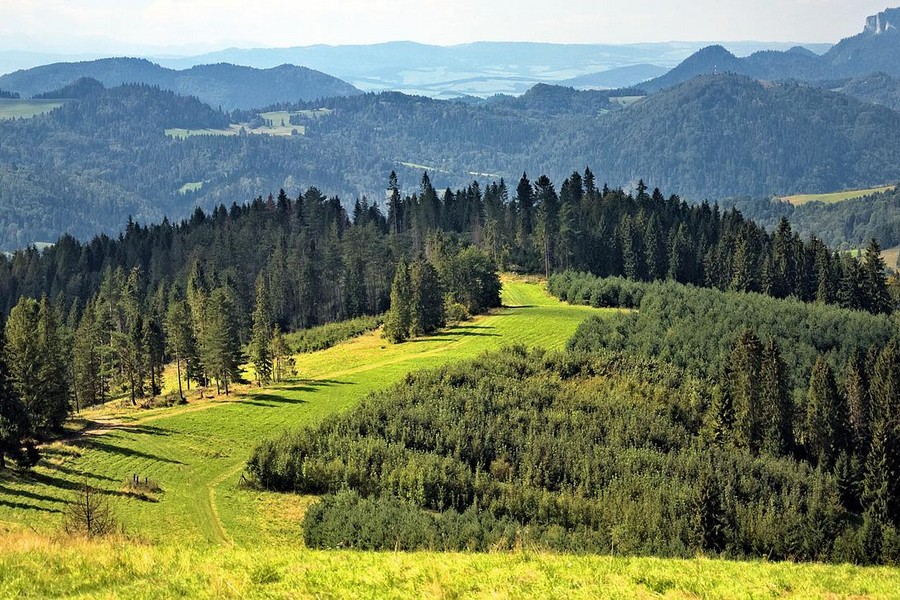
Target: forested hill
875	49
225	85
87	166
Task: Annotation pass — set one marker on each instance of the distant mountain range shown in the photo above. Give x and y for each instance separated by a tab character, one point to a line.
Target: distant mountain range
478	69
223	85
875	49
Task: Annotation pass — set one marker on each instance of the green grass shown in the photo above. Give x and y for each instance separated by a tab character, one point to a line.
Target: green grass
834	197
25	109
890	257
41	568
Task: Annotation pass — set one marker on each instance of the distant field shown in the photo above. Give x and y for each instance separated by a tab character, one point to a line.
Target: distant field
192	186
25	109
834	197
890	257
625	100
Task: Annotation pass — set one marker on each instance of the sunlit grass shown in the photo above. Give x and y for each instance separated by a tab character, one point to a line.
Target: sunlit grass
834	197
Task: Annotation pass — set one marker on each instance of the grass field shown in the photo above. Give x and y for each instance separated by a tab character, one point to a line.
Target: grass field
25	109
36	567
276	117
206	535
890	257
834	197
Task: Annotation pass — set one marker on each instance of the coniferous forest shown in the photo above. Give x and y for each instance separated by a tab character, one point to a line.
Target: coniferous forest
766	431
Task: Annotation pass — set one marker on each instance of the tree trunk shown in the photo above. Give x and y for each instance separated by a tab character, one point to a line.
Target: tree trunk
178	368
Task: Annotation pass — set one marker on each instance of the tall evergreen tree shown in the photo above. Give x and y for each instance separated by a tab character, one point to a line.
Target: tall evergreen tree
826	416
261	340
877	298
14	423
398	320
856	388
182	343
744	389
427	299
775	397
221	347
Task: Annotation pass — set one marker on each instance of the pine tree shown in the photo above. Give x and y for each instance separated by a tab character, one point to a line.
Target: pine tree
261	340
525	205
826	416
427	305
53	371
742	269
398	320
182	344
86	359
707	512
23	358
281	355
744	389
882	482
777	409
877	298
654	249
856	388
14	424
221	348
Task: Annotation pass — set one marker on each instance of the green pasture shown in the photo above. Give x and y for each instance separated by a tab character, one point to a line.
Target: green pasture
834	197
25	109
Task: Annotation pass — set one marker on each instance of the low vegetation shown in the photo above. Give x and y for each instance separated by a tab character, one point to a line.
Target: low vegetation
330	334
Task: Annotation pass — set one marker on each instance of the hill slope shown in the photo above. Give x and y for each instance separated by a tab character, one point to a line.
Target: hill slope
225	85
89	165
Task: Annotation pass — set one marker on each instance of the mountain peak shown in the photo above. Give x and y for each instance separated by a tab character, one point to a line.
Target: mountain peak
883	22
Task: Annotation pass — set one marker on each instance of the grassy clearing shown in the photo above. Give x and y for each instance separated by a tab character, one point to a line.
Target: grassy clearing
39	567
25	109
192	186
196	452
890	257
834	197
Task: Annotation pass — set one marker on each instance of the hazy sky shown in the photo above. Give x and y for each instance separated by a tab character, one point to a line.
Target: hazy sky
102	25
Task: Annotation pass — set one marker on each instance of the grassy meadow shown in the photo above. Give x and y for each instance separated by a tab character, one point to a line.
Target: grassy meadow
206	535
25	109
834	197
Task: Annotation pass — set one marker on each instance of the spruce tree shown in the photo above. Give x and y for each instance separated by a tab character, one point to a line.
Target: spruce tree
221	345
882	482
777	408
398	321
877	297
856	388
427	299
52	371
826	416
261	340
744	389
14	423
181	342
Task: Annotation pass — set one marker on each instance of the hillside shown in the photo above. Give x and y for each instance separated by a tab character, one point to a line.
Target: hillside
873	50
221	85
712	137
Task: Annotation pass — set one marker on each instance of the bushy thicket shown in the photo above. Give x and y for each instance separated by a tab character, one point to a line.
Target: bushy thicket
694	327
330	334
568	451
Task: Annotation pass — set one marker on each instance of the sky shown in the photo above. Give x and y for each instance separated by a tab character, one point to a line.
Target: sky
200	25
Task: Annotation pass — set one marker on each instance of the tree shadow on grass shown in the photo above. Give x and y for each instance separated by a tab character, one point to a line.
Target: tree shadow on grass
78	473
30	495
269	400
457	332
96	444
23	506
